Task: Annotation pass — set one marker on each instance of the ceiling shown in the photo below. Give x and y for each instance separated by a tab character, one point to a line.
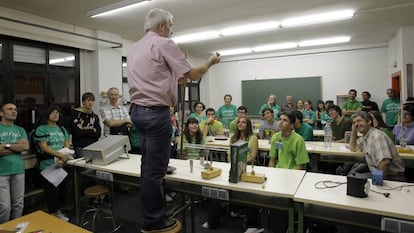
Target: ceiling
375	21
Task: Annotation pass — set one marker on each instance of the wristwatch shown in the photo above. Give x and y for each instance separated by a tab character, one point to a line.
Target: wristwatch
7	146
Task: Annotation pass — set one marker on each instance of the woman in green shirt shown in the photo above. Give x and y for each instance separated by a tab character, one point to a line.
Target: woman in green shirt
50	139
244	132
198	107
193	135
379	123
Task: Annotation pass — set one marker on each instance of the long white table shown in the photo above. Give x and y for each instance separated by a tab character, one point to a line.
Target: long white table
399	204
280	183
316	147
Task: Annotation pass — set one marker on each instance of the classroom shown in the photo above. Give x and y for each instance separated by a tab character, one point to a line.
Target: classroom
378	54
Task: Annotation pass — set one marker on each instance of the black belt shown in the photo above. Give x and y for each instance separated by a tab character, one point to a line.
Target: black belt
151	108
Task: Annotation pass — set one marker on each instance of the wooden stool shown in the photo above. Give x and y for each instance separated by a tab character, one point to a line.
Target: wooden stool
176	229
99	192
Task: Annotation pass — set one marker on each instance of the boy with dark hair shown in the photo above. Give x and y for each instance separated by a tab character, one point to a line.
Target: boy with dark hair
85	125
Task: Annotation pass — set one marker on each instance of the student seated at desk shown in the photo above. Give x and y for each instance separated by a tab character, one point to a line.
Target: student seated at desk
406	128
379	123
50	138
211	127
241	112
269	125
289	153
198	114
302	128
244	132
192	134
380	151
309	115
271	103
340	124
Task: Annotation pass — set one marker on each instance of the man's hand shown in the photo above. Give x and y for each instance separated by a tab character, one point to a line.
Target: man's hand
214	59
182	80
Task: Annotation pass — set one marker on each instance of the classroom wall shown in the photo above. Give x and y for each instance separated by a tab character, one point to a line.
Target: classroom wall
401	53
361	69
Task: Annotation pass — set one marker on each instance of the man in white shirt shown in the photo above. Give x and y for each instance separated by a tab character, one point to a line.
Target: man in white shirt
115	117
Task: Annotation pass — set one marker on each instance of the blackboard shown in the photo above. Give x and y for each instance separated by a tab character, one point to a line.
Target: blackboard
255	92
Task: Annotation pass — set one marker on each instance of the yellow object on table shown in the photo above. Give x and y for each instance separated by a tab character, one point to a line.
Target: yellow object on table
211	173
404	150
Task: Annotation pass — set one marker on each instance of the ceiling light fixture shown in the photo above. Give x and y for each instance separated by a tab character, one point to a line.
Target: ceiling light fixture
271	47
114	8
318	18
207	35
324	41
250	28
234	51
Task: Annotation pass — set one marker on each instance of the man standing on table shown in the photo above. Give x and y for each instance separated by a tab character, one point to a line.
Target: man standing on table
155	65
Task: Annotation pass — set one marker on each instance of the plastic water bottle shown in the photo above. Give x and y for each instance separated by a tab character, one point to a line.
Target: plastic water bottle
327	138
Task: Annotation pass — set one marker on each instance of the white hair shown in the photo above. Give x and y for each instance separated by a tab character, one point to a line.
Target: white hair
155	17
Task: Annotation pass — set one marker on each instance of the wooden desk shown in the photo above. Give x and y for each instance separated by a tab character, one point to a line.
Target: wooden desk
399	204
41	220
281	184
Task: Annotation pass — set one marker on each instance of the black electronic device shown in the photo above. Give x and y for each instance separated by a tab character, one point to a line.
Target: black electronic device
171	170
357	184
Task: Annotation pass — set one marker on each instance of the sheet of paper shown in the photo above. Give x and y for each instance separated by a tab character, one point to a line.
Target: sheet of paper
54	175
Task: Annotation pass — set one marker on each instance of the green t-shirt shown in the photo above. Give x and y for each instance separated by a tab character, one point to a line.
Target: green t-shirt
226	114
306	131
133	137
390	107
191	153
325	117
233	126
55	137
311	115
214	129
293	152
199	118
13	163
250	146
351	105
276	110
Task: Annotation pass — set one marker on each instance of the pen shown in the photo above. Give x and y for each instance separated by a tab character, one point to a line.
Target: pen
37	231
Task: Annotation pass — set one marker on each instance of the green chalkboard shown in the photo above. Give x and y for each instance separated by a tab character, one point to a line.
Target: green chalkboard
255	92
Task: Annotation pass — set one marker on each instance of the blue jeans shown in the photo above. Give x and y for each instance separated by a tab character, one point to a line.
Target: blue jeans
154	133
11	196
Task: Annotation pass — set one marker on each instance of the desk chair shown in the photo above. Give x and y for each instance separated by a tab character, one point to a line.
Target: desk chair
101	198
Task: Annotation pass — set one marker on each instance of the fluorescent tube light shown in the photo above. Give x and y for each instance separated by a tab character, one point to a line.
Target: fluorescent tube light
323	41
207	35
250	28
114	8
318	18
235	51
271	47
